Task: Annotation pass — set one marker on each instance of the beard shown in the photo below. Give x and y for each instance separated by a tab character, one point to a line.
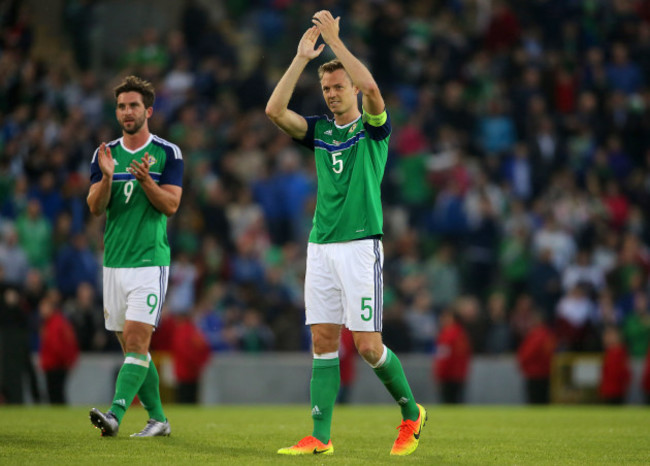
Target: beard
136	124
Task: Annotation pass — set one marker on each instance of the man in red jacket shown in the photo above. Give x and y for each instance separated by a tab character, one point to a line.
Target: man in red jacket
59	347
451	362
616	373
190	352
534	356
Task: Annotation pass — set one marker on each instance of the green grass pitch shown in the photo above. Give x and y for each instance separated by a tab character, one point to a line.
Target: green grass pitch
251	435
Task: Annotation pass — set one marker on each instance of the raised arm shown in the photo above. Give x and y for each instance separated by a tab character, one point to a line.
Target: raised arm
277	107
372	101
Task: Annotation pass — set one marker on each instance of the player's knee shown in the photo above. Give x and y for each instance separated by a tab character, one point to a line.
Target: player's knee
369	352
136	344
137	337
324	344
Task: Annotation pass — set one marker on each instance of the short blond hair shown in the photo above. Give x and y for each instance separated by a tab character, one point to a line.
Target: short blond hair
330	67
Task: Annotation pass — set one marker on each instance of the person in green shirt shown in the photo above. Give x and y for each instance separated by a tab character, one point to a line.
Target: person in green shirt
137	182
344	280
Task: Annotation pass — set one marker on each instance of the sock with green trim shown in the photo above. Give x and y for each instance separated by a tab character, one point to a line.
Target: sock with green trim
149	393
324	386
130	378
390	372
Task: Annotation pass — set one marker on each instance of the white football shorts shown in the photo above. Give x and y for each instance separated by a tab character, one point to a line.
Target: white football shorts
344	284
134	294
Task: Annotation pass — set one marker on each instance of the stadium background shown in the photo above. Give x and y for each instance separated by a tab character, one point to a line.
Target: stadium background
518	159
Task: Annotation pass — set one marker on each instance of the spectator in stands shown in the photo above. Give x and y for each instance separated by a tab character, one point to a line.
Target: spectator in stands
421	322
515	260
575	316
190	353
253	334
481	246
34	233
59	348
87	318
471	318
443	276
615	374
534	356
13	259
555	238
636	326
545	283
452	358
622	74
13	343
583	271
75	264
498	338
645	381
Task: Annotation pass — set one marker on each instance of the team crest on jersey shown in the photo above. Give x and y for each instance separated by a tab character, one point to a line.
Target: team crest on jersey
352	128
151	160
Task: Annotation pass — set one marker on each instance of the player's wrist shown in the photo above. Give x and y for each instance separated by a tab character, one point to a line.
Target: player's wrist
147	181
302	59
334	42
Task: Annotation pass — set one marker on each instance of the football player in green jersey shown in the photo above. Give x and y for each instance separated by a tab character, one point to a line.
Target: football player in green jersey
137	181
343	282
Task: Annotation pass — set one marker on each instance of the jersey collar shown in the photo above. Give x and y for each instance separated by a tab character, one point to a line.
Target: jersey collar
345	126
139	148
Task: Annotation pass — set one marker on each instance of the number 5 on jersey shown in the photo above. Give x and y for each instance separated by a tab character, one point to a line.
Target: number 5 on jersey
337	164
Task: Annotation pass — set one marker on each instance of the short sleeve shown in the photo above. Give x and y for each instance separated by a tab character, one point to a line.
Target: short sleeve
308	140
173	171
95	172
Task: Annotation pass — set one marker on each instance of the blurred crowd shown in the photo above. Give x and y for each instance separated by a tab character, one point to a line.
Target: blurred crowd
518	169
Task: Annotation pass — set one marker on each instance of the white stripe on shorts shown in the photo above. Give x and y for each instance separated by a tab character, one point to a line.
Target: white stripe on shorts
379	287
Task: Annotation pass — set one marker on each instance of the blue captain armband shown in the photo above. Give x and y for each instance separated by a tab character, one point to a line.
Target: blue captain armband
375	120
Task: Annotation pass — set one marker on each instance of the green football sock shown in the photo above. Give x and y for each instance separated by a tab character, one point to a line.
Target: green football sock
149	394
324	386
130	378
392	375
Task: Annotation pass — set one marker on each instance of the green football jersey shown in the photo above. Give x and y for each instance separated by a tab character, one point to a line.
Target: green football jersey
136	232
350	162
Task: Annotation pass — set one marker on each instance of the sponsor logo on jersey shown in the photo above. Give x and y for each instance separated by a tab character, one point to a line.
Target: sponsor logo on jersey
115	162
335	142
328	132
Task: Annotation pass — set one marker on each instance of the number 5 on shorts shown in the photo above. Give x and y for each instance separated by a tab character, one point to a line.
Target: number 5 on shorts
152	302
366	307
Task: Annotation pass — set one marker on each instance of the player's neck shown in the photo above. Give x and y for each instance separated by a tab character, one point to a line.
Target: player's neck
347	117
137	140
